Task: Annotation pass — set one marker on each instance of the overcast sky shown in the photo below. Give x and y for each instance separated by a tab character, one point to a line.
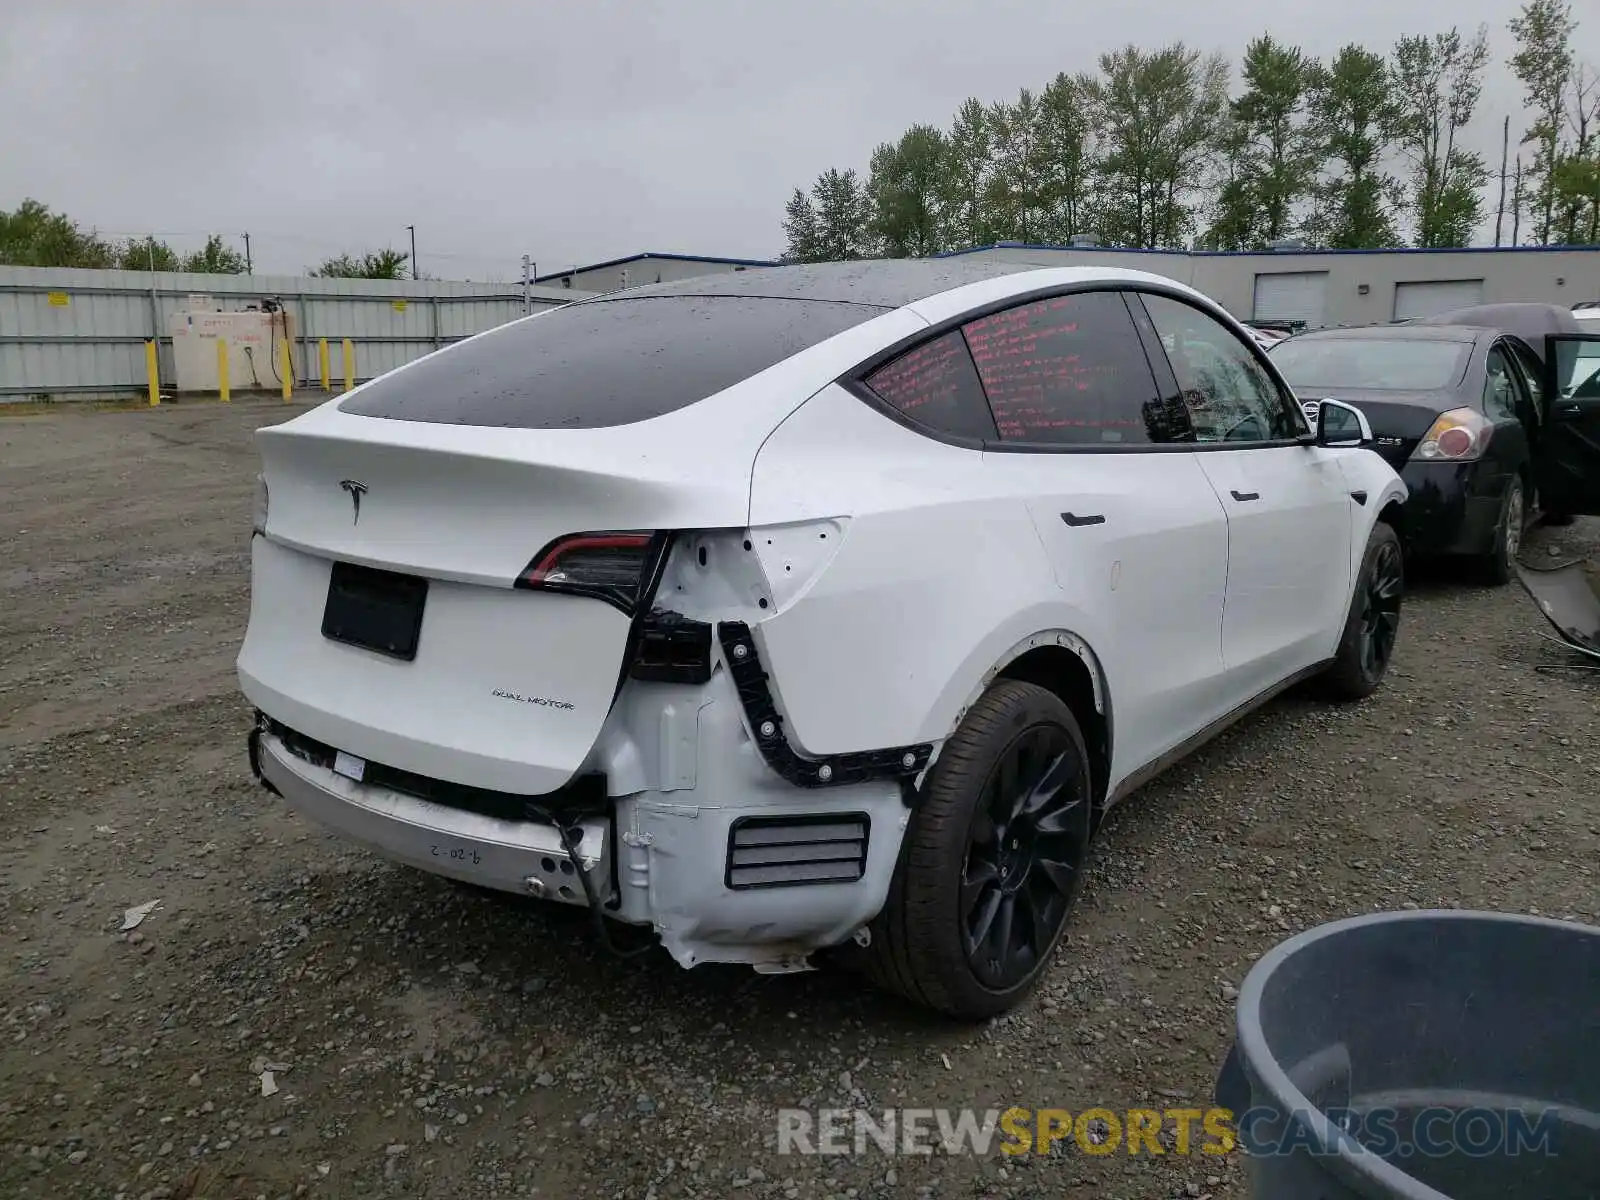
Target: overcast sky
572	130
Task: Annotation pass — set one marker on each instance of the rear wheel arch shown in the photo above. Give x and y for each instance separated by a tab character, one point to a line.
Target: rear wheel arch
1064	665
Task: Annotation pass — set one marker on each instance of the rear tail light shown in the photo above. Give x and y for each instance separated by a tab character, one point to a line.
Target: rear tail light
1460	435
618	568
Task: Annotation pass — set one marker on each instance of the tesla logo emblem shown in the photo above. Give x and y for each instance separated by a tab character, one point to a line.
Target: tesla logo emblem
357	490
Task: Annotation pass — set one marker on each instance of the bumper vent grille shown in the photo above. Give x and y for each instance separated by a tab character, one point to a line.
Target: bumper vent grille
793	851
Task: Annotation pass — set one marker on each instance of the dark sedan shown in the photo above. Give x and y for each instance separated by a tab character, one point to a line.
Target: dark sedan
1476	411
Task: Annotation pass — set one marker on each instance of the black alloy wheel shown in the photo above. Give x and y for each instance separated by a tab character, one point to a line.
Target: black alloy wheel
1025	856
1372	622
993	859
1380	610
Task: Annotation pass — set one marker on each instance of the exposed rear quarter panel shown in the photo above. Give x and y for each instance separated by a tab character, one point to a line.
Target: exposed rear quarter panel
938	576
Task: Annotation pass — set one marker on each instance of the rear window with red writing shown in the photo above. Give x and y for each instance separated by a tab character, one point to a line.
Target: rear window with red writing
936	386
1068	369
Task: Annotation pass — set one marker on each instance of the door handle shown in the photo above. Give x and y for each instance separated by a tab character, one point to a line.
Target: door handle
1246	495
1088	519
1570	410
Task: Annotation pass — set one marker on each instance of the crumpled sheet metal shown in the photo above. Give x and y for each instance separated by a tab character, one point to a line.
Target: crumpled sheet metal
1568	602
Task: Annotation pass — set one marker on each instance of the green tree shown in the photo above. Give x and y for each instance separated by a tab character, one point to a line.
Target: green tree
831	223
1234	201
374	264
148	254
1277	136
903	190
33	236
966	182
1438	81
1158	114
1354	109
1577	188
1067	159
215	258
803	241
1015	199
844	215
1575	192
1544	64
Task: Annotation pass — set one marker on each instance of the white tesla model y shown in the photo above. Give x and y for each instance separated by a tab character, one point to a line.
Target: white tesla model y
805	607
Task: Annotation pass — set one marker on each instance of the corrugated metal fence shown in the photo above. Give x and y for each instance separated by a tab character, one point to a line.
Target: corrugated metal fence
82	333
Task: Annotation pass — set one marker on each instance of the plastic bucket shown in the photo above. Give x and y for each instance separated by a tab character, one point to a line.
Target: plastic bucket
1435	1055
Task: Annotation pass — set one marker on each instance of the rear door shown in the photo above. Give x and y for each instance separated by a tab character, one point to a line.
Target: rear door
1135	536
1287	502
1567	463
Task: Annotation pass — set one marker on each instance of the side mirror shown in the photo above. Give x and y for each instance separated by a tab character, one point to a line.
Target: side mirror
1341	424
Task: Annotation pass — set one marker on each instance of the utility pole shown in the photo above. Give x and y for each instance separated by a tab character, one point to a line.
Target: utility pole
249	266
527	300
413	230
1505	153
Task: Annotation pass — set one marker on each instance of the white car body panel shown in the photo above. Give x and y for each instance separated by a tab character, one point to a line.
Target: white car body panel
932	531
1288	573
885	578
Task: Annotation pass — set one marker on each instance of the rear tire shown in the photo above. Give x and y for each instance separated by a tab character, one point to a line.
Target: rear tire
993	861
1373	624
1499	566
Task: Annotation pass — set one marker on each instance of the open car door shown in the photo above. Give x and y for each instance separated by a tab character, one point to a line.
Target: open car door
1567	458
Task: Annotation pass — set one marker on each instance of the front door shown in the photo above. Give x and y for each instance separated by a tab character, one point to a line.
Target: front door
1287	502
1568	459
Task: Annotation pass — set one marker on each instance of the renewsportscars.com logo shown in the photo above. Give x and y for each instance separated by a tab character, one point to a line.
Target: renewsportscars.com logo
1388	1132
1011	1131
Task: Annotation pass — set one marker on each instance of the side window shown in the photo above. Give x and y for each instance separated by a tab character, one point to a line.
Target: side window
1070	370
1499	396
1229	395
1532	383
936	386
1533	377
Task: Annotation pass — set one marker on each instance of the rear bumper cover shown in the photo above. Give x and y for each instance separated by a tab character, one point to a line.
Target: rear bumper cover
1454	508
515	856
659	857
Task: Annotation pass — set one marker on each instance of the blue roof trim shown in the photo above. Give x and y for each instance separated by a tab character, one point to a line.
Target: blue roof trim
1268	253
632	258
1053	246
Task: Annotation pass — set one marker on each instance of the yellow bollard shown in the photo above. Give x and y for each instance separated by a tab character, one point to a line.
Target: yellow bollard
152	372
285	369
223	381
322	358
349	364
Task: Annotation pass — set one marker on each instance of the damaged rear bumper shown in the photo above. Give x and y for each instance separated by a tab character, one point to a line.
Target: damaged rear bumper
720	855
526	857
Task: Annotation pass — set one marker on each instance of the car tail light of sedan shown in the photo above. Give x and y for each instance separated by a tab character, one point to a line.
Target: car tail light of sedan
1460	435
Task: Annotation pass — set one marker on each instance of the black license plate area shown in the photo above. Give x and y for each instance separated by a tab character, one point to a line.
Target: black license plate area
376	610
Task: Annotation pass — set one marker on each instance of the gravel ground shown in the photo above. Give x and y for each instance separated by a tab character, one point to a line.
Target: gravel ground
425	1041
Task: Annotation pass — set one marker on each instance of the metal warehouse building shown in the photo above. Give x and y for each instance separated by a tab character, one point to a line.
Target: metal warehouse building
1312	288
1347	287
649	267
